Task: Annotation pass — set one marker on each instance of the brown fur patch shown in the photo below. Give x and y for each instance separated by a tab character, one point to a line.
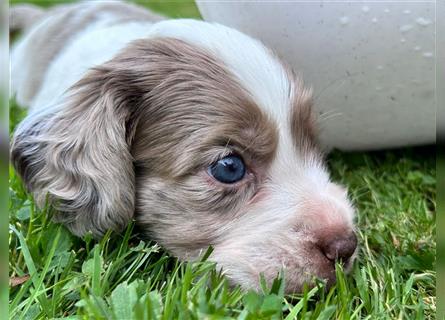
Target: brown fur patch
303	121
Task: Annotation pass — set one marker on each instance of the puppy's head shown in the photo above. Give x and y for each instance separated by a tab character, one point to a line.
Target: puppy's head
202	147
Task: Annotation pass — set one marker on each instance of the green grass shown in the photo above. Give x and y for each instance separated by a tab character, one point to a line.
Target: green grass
171	8
54	274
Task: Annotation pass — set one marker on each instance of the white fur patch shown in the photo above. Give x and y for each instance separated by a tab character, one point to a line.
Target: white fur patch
94	46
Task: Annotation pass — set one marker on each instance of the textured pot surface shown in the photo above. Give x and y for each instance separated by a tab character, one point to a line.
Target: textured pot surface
371	65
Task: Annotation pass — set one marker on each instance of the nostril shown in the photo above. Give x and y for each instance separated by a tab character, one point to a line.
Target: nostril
340	248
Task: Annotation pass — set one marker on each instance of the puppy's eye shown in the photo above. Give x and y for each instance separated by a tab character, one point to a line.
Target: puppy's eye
230	169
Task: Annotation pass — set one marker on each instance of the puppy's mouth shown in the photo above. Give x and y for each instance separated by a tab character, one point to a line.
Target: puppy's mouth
325	267
327	271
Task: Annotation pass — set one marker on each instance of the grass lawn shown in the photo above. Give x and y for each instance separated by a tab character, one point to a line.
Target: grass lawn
56	275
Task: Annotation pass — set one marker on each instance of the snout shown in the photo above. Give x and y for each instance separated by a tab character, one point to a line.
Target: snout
337	245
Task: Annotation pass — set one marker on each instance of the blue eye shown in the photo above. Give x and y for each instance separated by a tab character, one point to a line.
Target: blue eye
230	169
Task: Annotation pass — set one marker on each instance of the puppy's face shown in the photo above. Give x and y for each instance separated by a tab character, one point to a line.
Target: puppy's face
205	151
215	166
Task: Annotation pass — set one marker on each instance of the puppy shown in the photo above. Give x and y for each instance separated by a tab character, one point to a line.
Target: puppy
195	130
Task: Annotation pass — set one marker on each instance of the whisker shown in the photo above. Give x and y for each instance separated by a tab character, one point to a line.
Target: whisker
325	117
333	82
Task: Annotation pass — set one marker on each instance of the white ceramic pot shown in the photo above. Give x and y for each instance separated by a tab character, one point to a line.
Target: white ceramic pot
371	65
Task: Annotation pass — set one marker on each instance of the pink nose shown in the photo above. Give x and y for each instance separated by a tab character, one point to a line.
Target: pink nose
339	247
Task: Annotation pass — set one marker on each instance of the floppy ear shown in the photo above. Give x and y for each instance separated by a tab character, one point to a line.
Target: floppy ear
78	156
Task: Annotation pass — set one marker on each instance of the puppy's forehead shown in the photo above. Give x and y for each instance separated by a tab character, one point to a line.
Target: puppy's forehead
257	70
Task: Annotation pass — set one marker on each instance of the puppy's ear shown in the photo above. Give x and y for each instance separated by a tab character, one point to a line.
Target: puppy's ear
78	154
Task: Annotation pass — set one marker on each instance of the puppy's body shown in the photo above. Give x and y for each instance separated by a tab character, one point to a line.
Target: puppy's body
129	115
63	43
